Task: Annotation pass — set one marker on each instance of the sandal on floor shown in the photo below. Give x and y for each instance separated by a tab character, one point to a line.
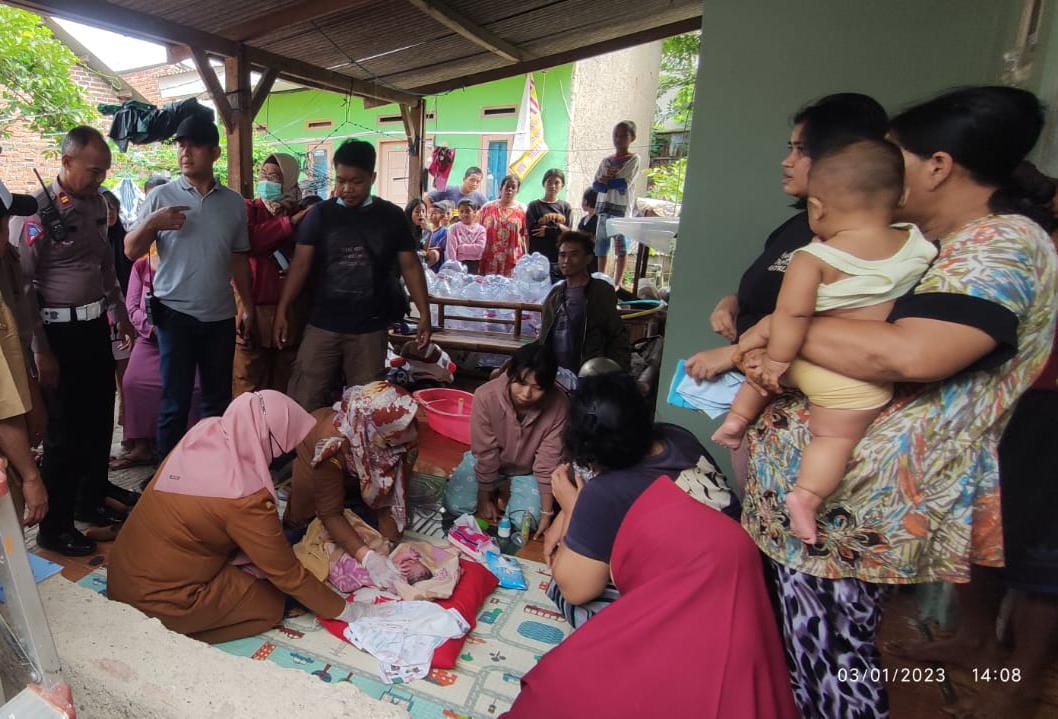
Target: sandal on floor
127	462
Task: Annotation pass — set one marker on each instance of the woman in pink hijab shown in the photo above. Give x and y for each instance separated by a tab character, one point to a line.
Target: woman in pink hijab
211	502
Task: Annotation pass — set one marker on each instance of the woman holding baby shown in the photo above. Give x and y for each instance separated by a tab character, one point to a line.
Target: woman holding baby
920	499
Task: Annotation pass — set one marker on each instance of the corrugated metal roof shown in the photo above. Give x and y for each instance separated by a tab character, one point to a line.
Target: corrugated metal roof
393	42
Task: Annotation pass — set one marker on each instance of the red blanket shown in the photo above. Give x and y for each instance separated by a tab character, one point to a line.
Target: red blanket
475	585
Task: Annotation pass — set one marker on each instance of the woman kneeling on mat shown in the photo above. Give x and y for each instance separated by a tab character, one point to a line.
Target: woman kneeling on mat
203	550
610	436
692	626
359	455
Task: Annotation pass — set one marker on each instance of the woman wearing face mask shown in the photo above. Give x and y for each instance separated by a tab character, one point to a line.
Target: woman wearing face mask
271	217
203	551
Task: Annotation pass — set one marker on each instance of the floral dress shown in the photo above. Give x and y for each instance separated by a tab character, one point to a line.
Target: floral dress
920	500
506	235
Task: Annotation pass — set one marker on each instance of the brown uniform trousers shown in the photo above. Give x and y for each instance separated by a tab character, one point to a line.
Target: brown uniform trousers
263	365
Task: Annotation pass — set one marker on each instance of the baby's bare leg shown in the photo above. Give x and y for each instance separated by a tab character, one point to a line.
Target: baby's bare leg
835	433
745	408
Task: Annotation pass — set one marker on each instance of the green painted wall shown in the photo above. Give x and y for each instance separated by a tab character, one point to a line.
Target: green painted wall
457	113
760	61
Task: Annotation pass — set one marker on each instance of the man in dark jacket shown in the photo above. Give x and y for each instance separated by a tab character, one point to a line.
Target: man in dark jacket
580	319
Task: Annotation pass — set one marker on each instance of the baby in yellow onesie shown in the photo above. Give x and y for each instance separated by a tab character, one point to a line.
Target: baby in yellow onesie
859	264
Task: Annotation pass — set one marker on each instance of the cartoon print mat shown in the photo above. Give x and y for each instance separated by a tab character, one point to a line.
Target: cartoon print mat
515	628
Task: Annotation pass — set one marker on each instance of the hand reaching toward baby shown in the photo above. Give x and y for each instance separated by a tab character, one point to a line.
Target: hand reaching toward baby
384	573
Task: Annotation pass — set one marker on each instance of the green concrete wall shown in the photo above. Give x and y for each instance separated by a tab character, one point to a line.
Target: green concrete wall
762	60
285	115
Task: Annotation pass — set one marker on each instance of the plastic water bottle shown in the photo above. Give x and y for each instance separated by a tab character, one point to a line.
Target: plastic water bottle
503	529
527	528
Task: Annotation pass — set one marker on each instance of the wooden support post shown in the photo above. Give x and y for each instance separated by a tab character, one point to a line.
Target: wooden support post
414	117
240	132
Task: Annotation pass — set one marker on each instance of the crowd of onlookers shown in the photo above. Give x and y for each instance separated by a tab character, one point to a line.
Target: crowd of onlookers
918	326
317	283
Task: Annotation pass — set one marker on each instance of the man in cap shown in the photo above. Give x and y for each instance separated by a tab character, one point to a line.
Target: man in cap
199	228
19	395
68	265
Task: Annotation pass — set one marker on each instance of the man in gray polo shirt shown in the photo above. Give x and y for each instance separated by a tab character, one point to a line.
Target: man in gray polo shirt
199	227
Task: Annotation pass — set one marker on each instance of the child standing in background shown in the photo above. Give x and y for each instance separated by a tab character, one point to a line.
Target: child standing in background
589	224
548	218
614	181
466	238
435	253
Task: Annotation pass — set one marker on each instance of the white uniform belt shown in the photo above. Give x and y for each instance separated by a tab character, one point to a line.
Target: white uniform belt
84	313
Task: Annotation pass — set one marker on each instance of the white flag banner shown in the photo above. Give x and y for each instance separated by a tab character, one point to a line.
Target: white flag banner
529	145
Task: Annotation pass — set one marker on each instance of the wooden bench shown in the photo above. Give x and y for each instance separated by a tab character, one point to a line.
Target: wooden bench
469	340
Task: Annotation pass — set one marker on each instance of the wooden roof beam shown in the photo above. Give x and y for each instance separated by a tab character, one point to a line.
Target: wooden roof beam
102	14
260	92
315	76
293	14
463	25
561	58
209	77
122	89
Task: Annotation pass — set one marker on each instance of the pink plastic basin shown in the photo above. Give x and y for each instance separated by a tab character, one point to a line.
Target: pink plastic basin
447	411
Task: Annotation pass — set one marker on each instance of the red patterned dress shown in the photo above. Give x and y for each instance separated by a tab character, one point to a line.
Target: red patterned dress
506	235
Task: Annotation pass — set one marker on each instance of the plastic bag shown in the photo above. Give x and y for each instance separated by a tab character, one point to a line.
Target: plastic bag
507	570
467	537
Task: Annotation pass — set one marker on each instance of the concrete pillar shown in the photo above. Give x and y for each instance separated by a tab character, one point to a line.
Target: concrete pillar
760	62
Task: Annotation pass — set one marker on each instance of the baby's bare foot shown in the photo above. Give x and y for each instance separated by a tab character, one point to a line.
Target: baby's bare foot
731	432
802	505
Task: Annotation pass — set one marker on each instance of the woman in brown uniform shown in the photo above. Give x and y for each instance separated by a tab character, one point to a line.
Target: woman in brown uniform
363	446
210	507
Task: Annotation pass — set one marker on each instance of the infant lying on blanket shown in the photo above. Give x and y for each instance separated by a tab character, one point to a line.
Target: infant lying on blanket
426	571
348	575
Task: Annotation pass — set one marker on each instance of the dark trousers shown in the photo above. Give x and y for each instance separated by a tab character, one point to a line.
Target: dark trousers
187	345
80	421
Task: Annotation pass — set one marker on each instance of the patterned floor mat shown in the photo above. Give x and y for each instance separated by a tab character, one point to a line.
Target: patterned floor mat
515	628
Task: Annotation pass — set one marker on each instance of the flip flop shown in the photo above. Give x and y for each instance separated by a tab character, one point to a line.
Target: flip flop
126	462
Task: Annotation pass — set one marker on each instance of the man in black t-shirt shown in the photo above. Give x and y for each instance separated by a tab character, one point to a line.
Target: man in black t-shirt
356	247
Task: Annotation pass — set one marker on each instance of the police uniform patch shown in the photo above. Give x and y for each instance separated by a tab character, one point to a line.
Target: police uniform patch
64	199
31	231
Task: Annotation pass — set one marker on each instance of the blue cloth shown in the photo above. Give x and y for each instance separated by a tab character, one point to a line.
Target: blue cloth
439	242
461	494
187	345
42	569
194	262
713	397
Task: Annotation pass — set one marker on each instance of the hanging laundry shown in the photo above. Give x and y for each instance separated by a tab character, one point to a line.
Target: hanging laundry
141	124
441	162
402	636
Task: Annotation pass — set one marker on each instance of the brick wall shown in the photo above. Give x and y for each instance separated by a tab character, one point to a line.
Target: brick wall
146	80
25	149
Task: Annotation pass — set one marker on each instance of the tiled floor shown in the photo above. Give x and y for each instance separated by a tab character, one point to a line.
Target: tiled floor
438	456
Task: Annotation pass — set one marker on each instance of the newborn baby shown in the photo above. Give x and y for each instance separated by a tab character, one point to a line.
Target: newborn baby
409	562
348	575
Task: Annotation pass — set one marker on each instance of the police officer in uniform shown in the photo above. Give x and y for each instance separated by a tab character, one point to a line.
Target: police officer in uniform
67	261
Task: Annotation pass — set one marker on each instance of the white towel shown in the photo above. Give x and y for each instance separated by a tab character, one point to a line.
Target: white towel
403	635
